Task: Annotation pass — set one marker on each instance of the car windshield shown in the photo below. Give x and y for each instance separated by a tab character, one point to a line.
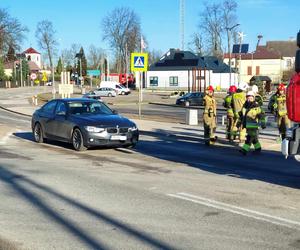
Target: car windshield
188	95
89	108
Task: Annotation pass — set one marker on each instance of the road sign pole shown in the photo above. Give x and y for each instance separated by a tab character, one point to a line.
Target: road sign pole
140	94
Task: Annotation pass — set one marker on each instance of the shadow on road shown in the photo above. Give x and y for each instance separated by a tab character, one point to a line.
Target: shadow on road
269	166
16	183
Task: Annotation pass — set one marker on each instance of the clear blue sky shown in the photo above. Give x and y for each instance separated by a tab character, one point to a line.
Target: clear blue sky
79	21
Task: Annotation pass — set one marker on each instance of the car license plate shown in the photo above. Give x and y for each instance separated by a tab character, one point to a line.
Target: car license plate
118	137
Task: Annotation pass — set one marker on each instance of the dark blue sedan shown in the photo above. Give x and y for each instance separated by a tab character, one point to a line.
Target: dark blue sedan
84	123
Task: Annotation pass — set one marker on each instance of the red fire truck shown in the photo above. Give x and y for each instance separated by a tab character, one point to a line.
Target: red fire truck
291	145
121	78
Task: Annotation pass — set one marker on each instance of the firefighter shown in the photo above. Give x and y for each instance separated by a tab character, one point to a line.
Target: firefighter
251	117
230	114
258	98
209	116
277	106
238	101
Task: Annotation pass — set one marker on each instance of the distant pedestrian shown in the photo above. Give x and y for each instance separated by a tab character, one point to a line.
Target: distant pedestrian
209	116
277	105
251	117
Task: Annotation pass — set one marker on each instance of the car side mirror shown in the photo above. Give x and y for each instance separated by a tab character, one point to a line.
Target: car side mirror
115	112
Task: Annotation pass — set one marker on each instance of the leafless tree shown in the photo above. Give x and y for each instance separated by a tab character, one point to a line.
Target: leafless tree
12	32
154	56
45	35
95	57
121	28
217	20
212	27
68	55
229	20
197	44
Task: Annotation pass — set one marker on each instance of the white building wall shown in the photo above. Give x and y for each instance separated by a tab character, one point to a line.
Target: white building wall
36	58
272	68
217	80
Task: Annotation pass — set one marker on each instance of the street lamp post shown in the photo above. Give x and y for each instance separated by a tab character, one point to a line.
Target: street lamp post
241	37
229	47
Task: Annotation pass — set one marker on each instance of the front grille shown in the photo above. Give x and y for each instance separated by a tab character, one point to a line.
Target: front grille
112	130
117	130
123	130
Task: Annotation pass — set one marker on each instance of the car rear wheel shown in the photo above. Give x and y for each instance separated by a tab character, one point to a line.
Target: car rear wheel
109	95
187	104
38	133
77	140
122	93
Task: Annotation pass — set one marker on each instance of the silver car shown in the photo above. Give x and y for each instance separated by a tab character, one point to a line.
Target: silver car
105	92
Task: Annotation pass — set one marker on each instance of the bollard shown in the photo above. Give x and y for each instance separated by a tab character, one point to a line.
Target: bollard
35	100
191	116
223	119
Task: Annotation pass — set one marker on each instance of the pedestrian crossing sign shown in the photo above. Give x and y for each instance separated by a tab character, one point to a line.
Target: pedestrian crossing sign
139	62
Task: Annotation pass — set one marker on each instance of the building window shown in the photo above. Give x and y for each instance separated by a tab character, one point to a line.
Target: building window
173	80
249	71
153	81
257	70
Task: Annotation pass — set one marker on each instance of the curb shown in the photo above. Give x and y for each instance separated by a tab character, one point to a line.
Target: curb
15	112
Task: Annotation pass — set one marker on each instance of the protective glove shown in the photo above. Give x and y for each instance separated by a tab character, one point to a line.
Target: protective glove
263	125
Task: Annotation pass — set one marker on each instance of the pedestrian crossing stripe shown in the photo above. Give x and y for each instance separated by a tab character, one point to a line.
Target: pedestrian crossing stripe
139	62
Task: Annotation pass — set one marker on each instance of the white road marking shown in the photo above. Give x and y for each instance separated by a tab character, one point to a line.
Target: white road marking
238	210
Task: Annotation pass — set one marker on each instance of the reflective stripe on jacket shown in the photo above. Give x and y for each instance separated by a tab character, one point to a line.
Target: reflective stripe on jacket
252	115
210	105
227	105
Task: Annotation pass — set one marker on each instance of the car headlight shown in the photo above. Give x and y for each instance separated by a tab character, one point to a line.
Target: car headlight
133	129
94	129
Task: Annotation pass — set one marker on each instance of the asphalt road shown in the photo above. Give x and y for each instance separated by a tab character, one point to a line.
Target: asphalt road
168	193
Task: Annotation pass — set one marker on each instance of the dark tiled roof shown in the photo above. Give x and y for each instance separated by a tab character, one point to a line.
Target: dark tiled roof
186	60
286	48
30	51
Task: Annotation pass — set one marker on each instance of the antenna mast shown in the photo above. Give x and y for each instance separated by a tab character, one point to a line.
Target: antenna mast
182	24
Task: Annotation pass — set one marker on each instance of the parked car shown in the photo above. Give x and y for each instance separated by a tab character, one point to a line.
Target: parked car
92	95
49	83
119	88
105	91
84	123
191	99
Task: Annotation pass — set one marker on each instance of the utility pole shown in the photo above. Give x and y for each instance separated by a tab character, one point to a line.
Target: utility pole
21	75
241	37
229	48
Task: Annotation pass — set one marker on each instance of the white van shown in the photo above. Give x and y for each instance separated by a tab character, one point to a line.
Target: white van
120	89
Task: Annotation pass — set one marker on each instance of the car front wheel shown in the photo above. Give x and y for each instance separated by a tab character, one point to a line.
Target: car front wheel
109	95
77	140
123	93
38	133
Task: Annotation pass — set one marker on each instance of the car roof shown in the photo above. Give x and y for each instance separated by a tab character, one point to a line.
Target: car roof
76	100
